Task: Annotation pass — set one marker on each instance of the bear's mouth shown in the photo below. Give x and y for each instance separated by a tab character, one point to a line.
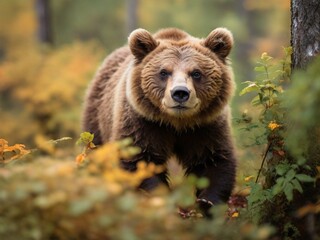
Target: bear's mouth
180	107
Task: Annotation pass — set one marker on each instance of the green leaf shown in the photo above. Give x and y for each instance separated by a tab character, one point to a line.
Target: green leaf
202	183
80	206
85	138
281	169
288	51
288	191
301	160
304	178
270	86
290	175
265	57
125	142
296	185
97	195
256	101
307	167
261	97
133	151
280	72
127	202
256	194
265	99
260	69
278	187
247	82
252	87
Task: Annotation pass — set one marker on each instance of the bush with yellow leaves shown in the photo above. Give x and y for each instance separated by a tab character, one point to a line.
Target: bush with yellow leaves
50	198
41	86
47	90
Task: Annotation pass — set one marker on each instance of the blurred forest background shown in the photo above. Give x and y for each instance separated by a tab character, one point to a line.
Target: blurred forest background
43	79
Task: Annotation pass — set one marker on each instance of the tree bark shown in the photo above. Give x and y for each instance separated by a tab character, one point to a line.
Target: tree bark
132	16
305	42
44	21
305	31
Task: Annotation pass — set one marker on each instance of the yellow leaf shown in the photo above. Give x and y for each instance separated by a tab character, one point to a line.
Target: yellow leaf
235	215
107	154
273	125
80	158
18	150
3	145
249	178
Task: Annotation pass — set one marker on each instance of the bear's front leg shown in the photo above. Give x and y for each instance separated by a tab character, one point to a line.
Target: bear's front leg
220	170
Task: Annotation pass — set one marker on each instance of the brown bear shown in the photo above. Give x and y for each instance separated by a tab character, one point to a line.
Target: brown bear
169	92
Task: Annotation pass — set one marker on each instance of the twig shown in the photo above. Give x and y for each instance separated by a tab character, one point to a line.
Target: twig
263	160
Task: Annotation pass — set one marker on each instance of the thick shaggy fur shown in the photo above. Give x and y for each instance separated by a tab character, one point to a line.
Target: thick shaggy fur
132	96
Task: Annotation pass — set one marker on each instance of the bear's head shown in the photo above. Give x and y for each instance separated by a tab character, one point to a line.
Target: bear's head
178	79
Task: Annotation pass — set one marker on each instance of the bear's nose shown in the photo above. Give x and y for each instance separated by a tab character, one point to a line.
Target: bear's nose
180	94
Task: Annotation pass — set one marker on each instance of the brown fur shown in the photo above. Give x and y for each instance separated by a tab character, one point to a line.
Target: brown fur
130	96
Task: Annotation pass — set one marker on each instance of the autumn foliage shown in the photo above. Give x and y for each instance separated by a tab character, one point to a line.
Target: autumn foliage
17	151
49	198
41	87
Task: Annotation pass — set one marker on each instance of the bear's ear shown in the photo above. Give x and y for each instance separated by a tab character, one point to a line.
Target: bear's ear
219	41
141	43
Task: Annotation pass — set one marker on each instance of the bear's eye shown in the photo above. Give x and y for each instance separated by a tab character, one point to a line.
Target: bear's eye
196	75
164	74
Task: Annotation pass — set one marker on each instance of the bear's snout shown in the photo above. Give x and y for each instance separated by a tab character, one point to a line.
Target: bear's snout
180	94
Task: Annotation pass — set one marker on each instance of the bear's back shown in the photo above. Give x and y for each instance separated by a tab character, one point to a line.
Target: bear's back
103	79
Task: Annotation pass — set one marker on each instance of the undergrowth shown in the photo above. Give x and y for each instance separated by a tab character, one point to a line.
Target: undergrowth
91	197
286	167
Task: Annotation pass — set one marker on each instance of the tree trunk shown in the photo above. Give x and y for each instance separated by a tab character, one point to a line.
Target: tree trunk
132	16
305	41
44	21
305	31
